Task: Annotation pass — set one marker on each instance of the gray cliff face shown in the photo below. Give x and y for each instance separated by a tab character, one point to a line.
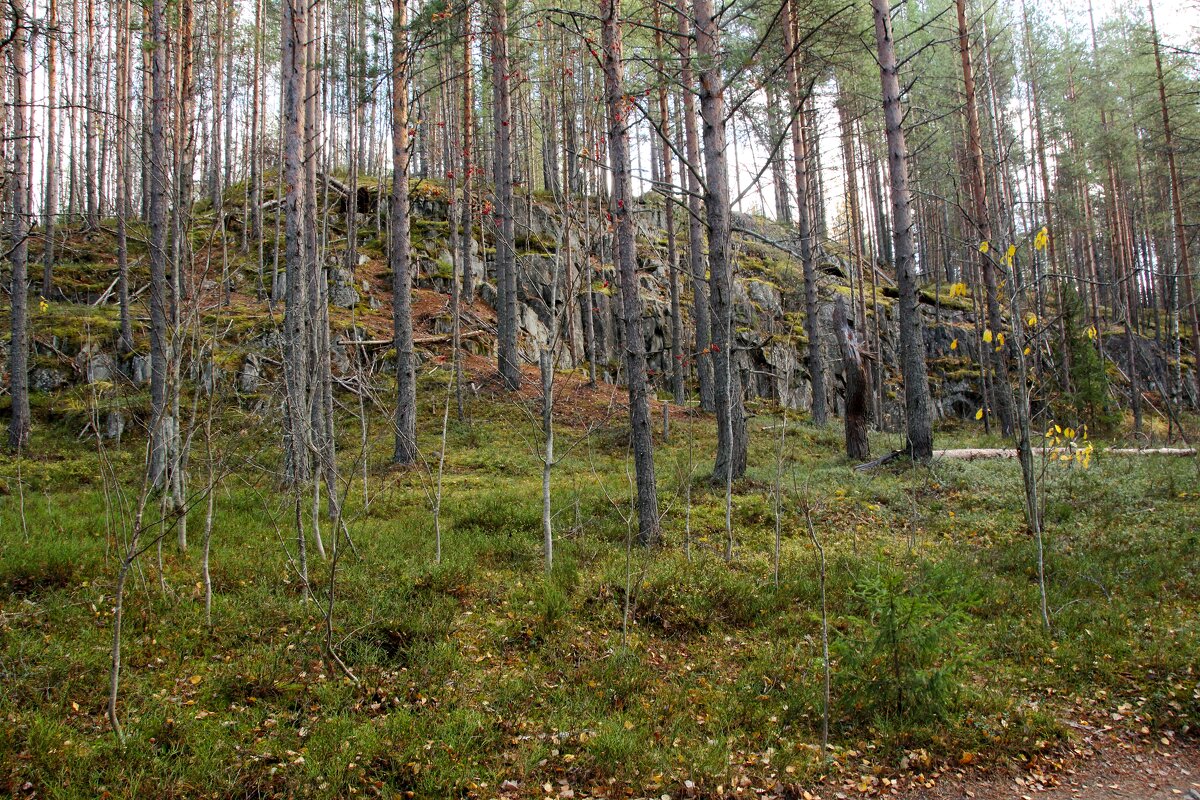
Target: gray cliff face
562	270
768	311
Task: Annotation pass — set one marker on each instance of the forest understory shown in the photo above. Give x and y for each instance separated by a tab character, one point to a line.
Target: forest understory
620	399
625	671
480	676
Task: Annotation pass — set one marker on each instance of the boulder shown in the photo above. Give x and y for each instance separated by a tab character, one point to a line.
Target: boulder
47	379
249	375
341	288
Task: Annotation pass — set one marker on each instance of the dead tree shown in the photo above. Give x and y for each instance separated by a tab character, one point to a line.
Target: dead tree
854	372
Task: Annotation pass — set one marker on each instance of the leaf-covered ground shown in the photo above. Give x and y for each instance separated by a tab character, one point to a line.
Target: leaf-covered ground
481	677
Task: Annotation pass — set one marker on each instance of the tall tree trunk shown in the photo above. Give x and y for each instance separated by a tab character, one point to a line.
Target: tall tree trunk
696	262
294	33
732	444
996	357
620	208
18	352
90	101
159	183
779	181
918	420
1056	266
816	370
1182	259
123	154
406	376
1124	269
50	213
502	171
147	91
668	192
229	19
255	188
468	165
218	85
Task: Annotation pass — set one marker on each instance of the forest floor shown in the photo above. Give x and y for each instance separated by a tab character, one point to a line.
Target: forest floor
625	672
480	676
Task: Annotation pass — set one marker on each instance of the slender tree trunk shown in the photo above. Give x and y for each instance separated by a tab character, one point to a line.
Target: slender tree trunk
546	364
779	180
1124	268
218	85
468	165
1047	201
620	208
668	191
1182	259
90	102
74	204
732	442
696	262
996	357
406	377
50	213
18	352
123	158
816	370
294	29
502	170
147	92
159	183
918	422
228	20
255	181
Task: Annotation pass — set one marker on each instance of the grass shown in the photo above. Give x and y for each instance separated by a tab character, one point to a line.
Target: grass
480	670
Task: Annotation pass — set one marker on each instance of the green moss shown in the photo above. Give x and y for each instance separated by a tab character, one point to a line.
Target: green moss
953	368
74	325
535	244
931	295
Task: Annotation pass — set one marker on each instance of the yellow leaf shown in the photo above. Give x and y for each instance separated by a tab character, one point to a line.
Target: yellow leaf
628	725
1042	239
954	345
1091	331
1031	320
1000	339
74	706
987	335
1027	351
983	246
1070	434
979	414
194	680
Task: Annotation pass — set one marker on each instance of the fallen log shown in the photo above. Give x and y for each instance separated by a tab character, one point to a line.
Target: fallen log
976	454
981	453
433	338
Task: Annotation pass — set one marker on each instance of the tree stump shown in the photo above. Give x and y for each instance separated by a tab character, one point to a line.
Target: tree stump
854	371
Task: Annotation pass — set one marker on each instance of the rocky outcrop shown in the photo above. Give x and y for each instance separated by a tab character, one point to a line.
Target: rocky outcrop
768	309
562	271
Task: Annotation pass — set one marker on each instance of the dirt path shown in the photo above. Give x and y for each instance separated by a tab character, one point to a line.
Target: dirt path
1117	769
